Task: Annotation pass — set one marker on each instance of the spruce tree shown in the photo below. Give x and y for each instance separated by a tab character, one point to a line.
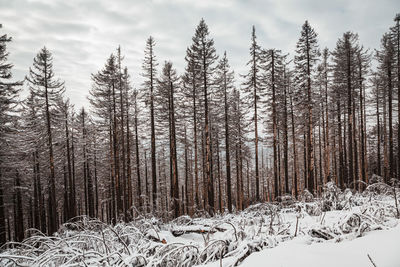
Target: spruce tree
225	81
149	73
306	57
205	57
166	101
48	90
9	92
254	91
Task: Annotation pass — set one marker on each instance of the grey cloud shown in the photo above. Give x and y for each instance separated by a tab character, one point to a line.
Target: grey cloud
83	33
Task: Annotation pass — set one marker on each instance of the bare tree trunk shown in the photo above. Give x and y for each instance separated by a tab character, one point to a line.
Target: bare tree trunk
175	177
19	218
139	184
385	143
362	125
342	178
390	126
128	156
124	190
227	152
275	131
153	139
310	154
220	200
285	140
295	168
3	237
118	189
196	167
398	93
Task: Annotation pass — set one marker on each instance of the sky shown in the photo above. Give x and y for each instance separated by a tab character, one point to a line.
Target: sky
81	34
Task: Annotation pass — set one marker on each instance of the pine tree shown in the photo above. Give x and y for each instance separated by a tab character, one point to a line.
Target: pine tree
345	84
252	87
166	103
102	101
306	57
149	68
273	79
42	83
225	81
32	135
205	57
9	92
395	36
386	60
191	91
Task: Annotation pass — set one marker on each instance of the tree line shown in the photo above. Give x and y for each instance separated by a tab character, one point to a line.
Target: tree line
205	141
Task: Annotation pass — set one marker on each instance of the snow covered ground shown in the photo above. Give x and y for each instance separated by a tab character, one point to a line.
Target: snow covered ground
383	246
338	229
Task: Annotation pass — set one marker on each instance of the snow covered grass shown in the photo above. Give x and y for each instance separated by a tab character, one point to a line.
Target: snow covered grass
288	233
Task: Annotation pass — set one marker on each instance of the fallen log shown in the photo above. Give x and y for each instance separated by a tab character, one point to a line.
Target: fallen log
179	232
320	234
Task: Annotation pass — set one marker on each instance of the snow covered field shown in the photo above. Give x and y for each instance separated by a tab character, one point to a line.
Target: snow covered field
382	246
339	229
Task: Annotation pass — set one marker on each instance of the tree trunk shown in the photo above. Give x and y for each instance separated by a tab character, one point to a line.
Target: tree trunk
295	169
3	237
52	186
227	152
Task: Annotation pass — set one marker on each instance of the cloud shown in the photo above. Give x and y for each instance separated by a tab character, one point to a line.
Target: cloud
82	33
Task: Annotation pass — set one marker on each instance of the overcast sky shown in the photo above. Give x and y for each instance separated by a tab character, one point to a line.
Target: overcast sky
82	34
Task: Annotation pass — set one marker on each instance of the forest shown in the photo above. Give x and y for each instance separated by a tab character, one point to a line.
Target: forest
204	142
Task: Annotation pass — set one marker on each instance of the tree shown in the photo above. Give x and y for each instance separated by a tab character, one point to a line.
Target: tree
191	91
9	92
253	88
149	68
87	174
386	60
346	57
306	57
205	56
224	81
273	79
43	85
102	100
166	103
395	36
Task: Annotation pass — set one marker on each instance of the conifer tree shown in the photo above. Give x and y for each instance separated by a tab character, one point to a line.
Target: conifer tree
386	60
273	80
48	90
166	103
205	57
149	73
254	90
9	92
306	57
225	80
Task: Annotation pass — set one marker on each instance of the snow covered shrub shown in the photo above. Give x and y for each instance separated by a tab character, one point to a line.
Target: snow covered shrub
313	208
379	188
331	197
306	196
286	200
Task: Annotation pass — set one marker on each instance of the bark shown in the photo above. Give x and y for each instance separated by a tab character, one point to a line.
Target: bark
3	237
295	169
310	158
227	150
52	213
274	125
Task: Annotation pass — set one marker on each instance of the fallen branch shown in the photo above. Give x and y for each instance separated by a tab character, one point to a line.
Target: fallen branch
373	263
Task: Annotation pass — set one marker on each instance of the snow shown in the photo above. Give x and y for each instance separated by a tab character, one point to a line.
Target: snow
338	229
382	246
